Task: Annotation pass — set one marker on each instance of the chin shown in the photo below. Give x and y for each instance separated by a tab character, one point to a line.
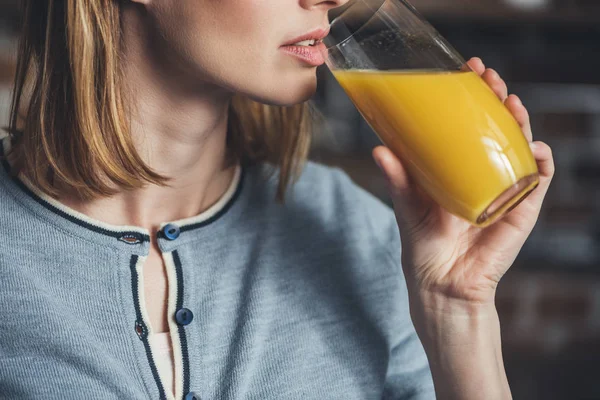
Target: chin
297	91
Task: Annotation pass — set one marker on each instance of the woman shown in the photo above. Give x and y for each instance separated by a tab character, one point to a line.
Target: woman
150	246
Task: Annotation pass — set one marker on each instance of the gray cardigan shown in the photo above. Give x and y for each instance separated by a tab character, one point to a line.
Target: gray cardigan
298	301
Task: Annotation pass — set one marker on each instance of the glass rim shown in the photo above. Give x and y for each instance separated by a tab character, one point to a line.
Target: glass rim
361	26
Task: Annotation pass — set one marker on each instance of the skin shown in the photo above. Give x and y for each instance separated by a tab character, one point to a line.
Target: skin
184	59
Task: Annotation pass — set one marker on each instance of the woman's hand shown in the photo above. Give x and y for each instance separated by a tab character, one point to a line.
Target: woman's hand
445	256
452	269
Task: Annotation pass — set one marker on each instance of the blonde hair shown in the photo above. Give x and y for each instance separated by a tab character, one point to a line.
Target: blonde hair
74	131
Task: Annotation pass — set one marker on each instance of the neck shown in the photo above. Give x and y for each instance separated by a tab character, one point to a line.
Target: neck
179	127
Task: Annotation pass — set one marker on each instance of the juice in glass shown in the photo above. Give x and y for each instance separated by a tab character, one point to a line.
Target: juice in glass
456	139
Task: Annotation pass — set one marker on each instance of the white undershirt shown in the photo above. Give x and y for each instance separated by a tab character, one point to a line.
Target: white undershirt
163	358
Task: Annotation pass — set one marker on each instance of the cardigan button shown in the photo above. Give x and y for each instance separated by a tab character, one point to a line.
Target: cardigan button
171	231
184	316
192	396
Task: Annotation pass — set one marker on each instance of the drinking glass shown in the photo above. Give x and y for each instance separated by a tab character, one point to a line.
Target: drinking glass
456	139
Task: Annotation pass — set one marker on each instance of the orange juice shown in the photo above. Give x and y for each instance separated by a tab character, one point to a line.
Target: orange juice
457	140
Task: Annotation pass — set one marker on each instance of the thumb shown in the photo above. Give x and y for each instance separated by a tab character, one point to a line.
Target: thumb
394	172
410	203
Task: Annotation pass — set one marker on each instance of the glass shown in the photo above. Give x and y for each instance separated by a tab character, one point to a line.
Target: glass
454	136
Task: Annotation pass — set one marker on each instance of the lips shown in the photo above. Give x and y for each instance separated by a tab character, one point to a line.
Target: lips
317	35
309	47
311	55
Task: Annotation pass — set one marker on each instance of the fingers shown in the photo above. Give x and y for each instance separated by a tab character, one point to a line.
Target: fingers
545	161
490	76
496	83
518	110
476	65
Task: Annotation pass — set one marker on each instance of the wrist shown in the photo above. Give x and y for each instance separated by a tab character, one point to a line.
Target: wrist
437	317
436	305
463	345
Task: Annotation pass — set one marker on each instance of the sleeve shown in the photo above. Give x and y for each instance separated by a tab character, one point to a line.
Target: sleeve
408	375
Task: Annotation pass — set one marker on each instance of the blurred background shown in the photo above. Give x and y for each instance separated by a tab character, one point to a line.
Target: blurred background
549	53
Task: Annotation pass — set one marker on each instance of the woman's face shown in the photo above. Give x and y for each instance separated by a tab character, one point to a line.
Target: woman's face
238	44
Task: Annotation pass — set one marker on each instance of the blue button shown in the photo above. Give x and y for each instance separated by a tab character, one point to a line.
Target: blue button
171	231
192	396
184	316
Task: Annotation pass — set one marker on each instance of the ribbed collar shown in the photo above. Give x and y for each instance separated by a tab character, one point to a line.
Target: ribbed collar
132	238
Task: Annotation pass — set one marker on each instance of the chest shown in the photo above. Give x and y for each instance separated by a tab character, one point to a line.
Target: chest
156	290
262	328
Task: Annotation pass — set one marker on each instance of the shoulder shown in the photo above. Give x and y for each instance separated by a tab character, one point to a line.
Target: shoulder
10	212
9	208
334	186
360	217
332	195
325	205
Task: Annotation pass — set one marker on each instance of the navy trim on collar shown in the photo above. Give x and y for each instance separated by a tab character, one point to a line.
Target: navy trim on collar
129	237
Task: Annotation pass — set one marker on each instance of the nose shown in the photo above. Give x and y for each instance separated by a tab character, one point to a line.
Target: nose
322	4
